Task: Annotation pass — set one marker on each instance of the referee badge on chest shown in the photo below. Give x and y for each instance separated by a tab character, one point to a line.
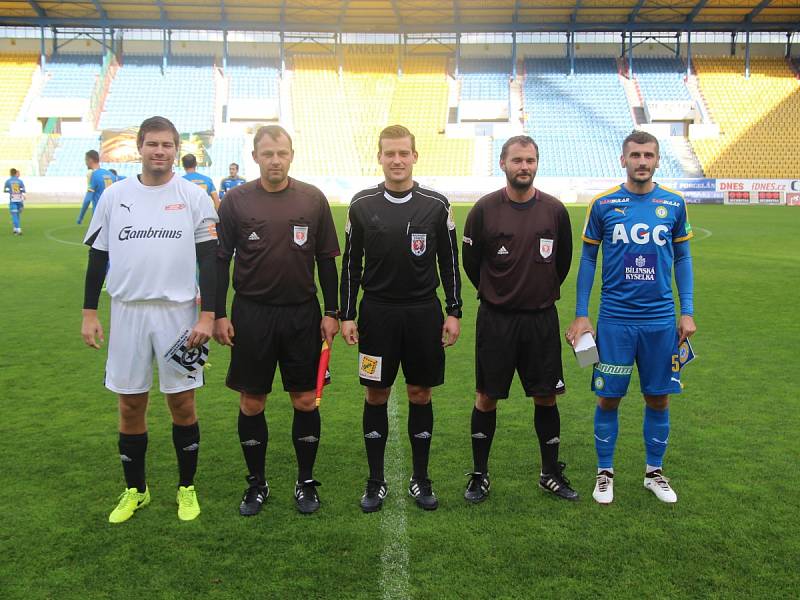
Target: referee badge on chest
545	247
300	234
419	243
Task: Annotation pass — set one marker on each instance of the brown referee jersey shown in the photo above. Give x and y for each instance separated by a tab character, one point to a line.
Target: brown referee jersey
517	254
276	236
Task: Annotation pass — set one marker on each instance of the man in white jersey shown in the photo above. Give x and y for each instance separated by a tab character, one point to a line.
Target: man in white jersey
155	230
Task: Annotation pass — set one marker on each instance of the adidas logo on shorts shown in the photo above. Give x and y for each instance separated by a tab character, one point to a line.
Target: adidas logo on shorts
253	237
502	250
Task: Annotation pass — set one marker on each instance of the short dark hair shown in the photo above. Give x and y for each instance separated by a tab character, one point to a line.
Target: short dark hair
522	140
13	172
113	172
396	132
189	161
273	131
93	155
237	165
157	124
640	137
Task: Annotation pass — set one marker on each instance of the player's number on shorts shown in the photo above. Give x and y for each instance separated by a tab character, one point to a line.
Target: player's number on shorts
676	363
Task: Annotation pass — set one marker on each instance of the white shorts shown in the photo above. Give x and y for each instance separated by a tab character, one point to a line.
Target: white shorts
141	331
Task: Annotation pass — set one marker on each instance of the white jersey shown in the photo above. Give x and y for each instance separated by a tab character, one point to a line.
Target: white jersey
150	233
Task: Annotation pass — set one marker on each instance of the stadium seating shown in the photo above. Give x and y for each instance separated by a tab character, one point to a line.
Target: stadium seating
184	93
484	79
579	121
759	118
71	76
339	136
253	79
68	158
420	103
16	73
323	144
661	79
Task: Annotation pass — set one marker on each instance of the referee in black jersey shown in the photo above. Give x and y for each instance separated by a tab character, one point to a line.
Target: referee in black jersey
517	252
400	230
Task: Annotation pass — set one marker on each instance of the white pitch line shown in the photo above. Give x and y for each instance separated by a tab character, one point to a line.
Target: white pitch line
707	235
394	557
49	235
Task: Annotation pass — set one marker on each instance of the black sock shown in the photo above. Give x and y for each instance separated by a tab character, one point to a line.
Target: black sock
305	435
376	430
253	436
132	449
420	431
186	439
547	422
483	426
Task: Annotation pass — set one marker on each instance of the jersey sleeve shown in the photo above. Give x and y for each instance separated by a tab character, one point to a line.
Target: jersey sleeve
447	254
7	186
682	229
95	181
204	217
472	244
97	234
211	187
351	266
21	186
226	231
327	244
593	227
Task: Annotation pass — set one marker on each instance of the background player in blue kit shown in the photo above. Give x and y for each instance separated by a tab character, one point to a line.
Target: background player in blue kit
644	230
16	197
231	181
189	162
99	180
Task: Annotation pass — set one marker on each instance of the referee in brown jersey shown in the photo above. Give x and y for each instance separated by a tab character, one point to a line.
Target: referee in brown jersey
517	249
276	228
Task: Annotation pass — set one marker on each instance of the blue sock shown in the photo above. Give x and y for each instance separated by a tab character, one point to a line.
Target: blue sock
15	219
656	435
606	427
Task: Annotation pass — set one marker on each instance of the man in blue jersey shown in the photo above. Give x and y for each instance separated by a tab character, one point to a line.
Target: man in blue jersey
117	176
189	162
99	180
231	181
644	230
16	197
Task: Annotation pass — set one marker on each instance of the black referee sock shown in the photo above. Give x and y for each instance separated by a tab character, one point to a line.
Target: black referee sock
305	435
186	439
483	426
132	450
547	422
420	432
376	430
253	436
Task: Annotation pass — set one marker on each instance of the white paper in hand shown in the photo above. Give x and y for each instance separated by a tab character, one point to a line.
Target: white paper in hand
586	350
184	359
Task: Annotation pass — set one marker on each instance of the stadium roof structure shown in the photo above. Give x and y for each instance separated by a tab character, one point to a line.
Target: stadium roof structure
409	16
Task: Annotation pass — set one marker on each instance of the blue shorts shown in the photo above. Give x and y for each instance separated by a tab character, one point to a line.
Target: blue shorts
654	349
15	207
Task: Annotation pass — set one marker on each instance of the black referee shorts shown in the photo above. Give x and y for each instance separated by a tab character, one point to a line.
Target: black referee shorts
268	336
527	342
390	335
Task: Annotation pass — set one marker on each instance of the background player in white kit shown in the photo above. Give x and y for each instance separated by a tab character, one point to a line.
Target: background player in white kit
155	229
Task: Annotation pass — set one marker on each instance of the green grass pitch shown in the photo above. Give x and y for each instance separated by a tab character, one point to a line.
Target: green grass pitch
733	459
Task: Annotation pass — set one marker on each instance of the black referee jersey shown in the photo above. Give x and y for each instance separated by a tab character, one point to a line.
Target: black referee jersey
400	238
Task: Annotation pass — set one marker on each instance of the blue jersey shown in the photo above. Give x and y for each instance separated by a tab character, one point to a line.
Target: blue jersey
229	183
15	189
637	233
201	180
99	180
